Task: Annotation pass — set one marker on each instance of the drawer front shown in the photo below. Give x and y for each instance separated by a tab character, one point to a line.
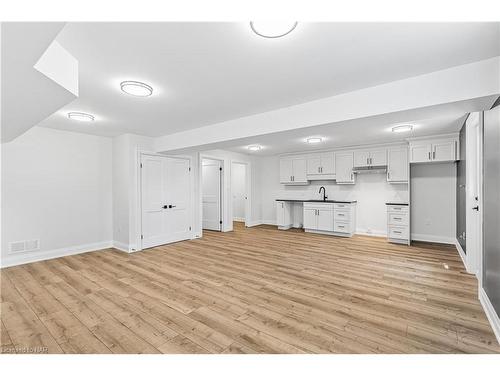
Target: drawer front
342	206
397	208
398	232
342	215
342	226
396	218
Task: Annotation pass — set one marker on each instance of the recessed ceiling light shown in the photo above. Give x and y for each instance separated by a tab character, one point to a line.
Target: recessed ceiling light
254	147
136	88
314	140
272	29
80	116
402	128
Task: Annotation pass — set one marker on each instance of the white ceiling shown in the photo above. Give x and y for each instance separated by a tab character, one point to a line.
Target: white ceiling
204	73
349	133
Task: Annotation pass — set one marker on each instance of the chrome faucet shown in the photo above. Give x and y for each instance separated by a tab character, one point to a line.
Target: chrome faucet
324	192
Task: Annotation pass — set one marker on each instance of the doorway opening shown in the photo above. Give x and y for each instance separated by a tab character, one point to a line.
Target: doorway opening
239	194
211	178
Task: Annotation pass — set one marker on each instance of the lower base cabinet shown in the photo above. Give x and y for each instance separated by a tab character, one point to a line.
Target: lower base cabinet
398	224
330	218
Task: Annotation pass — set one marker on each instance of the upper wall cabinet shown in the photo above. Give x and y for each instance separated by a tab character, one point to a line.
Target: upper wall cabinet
293	170
397	164
370	157
428	150
321	166
344	162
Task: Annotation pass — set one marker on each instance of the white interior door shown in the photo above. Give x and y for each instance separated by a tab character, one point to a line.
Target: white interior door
178	199
165	200
211	194
239	190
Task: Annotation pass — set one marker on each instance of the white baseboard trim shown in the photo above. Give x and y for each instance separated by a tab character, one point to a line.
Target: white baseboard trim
121	246
490	313
431	238
254	223
462	254
268	222
24	258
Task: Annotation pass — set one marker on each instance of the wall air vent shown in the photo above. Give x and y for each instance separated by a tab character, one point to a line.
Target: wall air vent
22	246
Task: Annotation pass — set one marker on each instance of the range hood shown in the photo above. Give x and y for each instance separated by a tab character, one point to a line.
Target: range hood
370	168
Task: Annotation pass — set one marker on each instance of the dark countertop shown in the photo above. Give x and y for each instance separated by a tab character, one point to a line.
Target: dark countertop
396	204
313	201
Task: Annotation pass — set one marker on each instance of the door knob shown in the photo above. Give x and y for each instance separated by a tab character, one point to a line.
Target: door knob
171	206
165	207
476	208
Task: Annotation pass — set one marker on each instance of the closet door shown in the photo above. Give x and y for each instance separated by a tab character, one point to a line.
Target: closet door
165	200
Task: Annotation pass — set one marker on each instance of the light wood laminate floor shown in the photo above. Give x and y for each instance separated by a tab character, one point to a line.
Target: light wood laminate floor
256	290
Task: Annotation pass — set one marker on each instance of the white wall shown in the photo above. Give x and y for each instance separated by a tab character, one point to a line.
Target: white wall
125	182
238	190
433	202
56	187
371	191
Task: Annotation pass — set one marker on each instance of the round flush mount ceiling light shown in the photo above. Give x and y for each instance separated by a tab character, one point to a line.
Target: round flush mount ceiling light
136	88
402	128
80	116
254	147
273	29
313	140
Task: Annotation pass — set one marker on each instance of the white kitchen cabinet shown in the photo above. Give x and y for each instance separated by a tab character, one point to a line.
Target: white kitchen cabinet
344	162
443	150
344	222
318	217
321	166
397	164
325	219
370	157
330	218
420	152
398	223
293	170
378	157
284	218
361	158
433	150
310	218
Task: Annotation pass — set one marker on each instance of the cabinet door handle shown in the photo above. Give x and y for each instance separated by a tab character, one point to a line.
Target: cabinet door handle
434	155
397	231
319	169
429	155
367	160
388	176
398	218
352	176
